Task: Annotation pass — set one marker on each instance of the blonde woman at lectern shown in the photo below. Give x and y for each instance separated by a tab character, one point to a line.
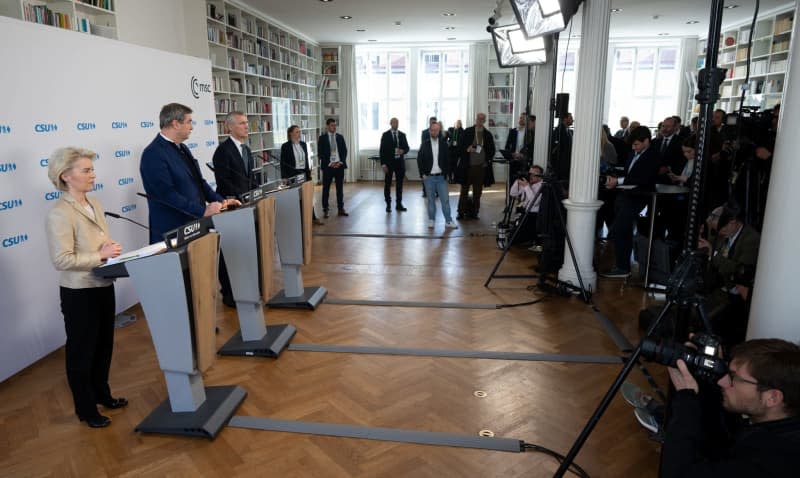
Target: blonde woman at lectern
78	240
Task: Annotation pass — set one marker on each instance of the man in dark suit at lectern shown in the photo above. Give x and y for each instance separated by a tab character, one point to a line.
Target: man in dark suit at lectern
394	147
233	165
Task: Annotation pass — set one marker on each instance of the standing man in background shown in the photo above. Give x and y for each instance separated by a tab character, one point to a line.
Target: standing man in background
453	135
171	177
477	151
233	165
394	147
426	133
433	166
333	161
520	143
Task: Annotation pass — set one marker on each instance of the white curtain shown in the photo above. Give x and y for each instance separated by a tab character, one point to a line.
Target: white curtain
478	101
348	121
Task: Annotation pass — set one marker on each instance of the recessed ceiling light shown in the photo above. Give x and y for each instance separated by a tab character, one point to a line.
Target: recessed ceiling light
325	1
729	7
360	30
372	40
663	34
448	14
616	10
449	28
692	22
346	17
398	23
451	38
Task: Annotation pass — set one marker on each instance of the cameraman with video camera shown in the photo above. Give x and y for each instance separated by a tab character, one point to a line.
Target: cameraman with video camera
762	385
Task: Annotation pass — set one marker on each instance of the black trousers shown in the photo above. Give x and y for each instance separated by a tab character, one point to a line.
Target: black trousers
89	323
328	176
626	210
396	167
224	278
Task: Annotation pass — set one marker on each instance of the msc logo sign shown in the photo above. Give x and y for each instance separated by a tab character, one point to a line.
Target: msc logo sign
45	128
122	153
10	204
191	145
86	126
119	125
52	195
5	129
209	122
8	167
129	207
198	87
14	240
146	124
125	181
210	143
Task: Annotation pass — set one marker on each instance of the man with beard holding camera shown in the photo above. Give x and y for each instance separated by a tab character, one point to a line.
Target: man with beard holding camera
762	385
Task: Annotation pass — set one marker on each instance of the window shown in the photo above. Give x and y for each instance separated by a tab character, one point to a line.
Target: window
412	85
644	84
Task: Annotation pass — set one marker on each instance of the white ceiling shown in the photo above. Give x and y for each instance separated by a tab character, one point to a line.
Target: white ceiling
422	20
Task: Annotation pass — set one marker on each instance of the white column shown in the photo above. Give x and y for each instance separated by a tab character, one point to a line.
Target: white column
774	311
582	204
542	94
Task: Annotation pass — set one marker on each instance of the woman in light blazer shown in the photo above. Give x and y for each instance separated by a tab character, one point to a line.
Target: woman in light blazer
78	240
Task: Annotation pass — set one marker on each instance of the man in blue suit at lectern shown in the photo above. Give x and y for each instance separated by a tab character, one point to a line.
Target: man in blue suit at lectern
176	190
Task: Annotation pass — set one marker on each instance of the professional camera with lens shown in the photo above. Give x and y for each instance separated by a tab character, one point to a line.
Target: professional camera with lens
704	362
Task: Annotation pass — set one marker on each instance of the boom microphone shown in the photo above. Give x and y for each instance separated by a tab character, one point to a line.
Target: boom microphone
117	216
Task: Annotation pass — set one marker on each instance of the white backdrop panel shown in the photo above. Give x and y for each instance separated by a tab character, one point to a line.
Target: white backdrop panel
63	88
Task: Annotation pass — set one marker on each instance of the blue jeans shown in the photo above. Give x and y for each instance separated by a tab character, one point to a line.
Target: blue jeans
437	186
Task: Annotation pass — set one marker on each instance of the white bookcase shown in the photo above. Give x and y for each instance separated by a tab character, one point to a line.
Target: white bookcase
500	115
331	107
264	70
769	60
96	17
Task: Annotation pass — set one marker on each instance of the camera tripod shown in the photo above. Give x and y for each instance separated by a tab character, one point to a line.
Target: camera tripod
548	184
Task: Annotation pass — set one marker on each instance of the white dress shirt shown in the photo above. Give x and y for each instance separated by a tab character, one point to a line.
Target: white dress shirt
435	169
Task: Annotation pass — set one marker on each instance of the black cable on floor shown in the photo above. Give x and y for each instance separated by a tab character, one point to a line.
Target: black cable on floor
506	306
574	467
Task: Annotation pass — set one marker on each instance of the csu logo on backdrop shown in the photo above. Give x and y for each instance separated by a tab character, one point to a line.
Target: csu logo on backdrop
119	125
191	145
8	167
209	122
198	87
5	129
52	195
210	143
125	181
83	126
122	153
14	240
128	208
44	162
45	128
97	187
10	204
146	124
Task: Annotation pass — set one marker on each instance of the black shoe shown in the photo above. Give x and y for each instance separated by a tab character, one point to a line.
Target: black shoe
228	301
114	403
616	273
98	421
326	214
402	208
342	212
460	217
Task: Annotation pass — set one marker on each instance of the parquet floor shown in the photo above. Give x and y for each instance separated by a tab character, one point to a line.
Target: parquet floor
539	402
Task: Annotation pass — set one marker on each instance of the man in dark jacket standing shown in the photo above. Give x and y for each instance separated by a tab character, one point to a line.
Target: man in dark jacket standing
394	147
762	383
477	151
433	168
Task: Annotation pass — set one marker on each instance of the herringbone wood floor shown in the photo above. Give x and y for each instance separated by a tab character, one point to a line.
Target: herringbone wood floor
538	402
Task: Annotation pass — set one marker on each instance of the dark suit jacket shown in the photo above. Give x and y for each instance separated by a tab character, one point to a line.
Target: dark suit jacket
454	135
645	172
426	135
527	147
166	176
561	140
673	155
743	252
288	161
324	150
387	147
425	158
463	162
230	171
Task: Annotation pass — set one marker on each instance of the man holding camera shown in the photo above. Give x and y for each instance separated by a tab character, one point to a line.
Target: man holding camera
763	384
526	188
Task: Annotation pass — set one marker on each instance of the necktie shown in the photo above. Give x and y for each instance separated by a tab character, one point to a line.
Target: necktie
247	156
633	161
394	134
333	142
664	144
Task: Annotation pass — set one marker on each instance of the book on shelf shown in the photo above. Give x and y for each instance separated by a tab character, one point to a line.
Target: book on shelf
104	4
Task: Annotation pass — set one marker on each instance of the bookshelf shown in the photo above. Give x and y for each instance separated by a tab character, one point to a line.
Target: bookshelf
96	17
330	84
500	113
264	70
769	60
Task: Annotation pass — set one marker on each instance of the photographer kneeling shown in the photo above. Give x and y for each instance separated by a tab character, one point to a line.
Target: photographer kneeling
526	190
763	384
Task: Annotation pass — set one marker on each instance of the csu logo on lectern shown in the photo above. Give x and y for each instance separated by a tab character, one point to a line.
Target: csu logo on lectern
10	204
8	167
14	240
45	128
198	87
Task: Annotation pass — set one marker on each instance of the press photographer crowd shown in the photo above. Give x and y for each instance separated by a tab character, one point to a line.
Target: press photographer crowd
733	405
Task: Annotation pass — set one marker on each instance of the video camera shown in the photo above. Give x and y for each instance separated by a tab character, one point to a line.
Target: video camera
753	127
704	362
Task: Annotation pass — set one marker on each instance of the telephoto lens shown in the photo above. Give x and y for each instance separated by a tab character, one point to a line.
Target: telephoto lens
702	364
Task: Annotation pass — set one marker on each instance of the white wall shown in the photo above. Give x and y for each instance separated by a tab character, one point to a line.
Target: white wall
85	91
